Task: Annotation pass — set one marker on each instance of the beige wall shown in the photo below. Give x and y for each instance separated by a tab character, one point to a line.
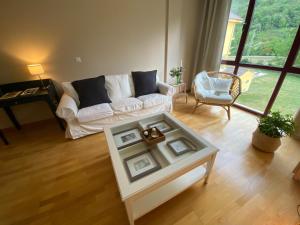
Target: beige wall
110	36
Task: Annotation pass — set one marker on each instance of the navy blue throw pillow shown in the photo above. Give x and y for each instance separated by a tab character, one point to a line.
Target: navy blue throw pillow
91	91
144	82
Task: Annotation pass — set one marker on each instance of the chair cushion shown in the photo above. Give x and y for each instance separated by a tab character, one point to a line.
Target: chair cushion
94	112
221	85
214	97
154	100
202	80
118	87
144	82
91	91
126	105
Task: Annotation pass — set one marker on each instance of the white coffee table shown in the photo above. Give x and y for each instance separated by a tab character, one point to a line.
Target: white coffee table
176	173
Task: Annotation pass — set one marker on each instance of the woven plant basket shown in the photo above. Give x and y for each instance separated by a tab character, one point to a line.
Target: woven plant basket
265	143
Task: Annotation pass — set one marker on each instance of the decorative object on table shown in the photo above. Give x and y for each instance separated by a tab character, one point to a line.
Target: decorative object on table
127	138
177	73
154	132
296	172
146	133
296	134
181	146
37	70
270	129
216	88
29	91
12	94
162	126
140	165
153	136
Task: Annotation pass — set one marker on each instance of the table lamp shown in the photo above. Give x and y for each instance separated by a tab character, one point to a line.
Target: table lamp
37	70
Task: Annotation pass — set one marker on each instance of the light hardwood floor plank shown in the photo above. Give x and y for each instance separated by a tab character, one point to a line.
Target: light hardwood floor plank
46	179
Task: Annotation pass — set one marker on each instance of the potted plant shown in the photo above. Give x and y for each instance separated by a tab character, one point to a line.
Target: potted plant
297	125
176	72
270	129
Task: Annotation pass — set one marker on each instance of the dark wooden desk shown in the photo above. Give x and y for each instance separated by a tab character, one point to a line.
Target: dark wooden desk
3	138
48	95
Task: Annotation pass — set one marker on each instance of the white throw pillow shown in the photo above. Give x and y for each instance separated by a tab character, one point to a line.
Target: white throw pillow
202	80
220	85
69	90
118	87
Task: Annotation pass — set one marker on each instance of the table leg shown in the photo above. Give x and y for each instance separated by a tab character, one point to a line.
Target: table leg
3	138
12	117
174	100
53	110
209	167
128	205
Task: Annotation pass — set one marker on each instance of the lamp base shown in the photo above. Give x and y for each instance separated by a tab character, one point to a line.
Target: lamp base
43	86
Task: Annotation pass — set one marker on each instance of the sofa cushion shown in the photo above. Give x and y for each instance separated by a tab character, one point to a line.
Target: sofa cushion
144	82
126	105
94	112
91	91
69	90
118	87
154	100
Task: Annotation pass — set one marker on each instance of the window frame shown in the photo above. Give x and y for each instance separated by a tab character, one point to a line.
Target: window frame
287	67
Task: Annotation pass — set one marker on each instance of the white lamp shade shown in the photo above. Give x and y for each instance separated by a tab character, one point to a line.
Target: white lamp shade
35	69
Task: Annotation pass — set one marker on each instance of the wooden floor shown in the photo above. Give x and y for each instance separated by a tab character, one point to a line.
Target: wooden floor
46	179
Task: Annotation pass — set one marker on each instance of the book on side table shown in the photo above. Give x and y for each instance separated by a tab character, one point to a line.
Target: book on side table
9	95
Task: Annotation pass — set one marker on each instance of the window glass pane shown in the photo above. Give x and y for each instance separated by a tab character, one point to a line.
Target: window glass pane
257	87
227	68
272	31
237	16
288	99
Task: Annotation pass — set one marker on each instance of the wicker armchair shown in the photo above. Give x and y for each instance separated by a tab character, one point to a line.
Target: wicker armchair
223	99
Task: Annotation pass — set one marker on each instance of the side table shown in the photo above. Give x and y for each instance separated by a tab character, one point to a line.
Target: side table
180	92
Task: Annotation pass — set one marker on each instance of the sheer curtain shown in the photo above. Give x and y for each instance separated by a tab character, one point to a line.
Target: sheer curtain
213	21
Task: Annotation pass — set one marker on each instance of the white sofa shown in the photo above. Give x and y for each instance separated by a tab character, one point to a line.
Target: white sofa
90	120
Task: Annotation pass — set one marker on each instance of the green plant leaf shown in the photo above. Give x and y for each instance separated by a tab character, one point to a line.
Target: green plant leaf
276	125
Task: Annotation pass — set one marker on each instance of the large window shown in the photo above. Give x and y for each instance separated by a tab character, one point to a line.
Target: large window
257	87
288	99
261	46
234	29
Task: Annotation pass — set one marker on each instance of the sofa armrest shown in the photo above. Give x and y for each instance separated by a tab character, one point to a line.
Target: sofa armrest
166	89
67	108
